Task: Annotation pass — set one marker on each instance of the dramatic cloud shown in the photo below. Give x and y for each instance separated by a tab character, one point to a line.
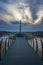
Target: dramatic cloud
39	15
30	11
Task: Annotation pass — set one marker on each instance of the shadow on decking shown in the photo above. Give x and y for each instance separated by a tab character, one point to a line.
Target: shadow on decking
21	53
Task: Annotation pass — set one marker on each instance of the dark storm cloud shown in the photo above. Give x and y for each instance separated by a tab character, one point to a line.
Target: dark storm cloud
26	10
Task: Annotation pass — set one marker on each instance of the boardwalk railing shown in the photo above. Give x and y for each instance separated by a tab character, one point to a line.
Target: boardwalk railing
5	43
37	44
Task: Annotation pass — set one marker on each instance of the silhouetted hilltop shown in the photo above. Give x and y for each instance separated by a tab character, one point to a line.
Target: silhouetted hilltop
38	33
5	33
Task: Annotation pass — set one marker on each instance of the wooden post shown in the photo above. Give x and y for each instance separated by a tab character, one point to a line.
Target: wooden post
36	46
8	43
33	43
42	49
0	48
5	45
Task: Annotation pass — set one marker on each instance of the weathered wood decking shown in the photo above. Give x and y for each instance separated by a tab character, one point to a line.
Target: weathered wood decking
21	54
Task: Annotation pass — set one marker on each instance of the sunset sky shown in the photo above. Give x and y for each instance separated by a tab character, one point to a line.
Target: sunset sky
28	11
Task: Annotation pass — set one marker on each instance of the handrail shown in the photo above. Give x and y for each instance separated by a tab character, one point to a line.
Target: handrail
37	45
5	43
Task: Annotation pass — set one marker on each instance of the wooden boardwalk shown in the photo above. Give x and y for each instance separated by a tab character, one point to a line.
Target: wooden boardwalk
21	54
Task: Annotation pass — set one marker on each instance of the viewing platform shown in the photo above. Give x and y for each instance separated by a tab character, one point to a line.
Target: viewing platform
21	51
